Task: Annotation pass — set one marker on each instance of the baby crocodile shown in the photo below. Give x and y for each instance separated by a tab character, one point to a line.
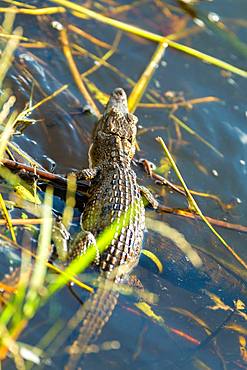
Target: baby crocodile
114	195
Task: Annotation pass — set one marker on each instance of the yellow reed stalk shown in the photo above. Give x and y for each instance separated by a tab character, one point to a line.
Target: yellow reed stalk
35	45
153	258
7	133
16	37
194	207
85	35
23	155
141	85
195	134
148	35
7	54
18	3
46	99
70	200
7	218
66	274
103	60
74	71
184	103
40	11
43	251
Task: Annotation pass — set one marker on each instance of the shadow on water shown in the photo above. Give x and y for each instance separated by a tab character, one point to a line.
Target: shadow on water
174	333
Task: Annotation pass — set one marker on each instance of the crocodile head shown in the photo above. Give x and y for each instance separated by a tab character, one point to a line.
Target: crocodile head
115	131
116	119
117	101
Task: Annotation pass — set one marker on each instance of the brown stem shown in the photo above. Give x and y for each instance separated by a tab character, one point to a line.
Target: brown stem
44	175
60	180
162	180
188	214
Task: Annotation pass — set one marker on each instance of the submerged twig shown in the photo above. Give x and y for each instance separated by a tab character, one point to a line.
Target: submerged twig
62	181
189	214
194	207
58	180
178	188
45	175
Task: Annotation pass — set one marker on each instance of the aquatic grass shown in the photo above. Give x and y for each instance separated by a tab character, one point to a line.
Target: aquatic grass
179	189
19	3
185	103
7	133
217	27
27	303
88	36
7	54
141	85
103	241
103	60
188	314
36	11
35	45
99	95
7	118
38	293
236	328
154	259
125	8
20	187
8	23
79	9
195	208
27	158
43	252
7	217
51	283
192	215
74	70
31	108
195	134
149	312
52	267
70	200
177	237
239	272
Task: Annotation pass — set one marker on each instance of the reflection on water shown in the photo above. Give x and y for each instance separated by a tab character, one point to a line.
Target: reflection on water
188	325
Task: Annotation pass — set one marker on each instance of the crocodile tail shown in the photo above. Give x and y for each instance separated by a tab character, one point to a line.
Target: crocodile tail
97	311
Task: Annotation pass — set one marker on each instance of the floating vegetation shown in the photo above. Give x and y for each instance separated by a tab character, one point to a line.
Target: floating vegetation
58	63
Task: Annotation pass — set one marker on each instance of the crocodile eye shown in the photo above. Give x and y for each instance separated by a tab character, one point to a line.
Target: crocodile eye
113	111
132	118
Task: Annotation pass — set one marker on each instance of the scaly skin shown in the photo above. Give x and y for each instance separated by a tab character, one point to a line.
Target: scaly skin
114	189
114	193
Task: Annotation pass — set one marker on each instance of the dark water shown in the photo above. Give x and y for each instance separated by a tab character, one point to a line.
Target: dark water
61	137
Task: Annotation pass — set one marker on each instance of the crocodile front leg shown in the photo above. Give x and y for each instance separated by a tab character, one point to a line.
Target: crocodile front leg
60	238
67	248
148	196
86	174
